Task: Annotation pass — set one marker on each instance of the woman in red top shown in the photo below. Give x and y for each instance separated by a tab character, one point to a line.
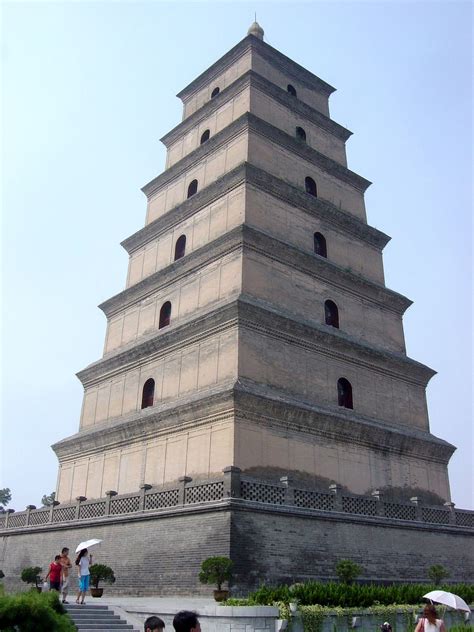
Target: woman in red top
55	573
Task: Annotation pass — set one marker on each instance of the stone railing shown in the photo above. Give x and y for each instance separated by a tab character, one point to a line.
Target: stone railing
235	485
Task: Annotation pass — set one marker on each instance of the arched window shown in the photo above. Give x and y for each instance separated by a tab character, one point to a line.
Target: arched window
331	314
291	90
148	393
344	393
301	134
165	315
180	247
205	136
192	188
320	245
215	92
310	186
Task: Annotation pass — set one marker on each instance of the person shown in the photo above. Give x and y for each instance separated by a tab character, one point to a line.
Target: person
55	573
66	564
429	622
83	561
154	623
186	621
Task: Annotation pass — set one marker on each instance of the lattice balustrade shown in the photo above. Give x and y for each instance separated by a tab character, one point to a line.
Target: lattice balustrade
124	505
157	500
436	516
361	506
399	511
2	521
39	517
464	519
17	520
314	500
204	493
64	514
92	510
262	493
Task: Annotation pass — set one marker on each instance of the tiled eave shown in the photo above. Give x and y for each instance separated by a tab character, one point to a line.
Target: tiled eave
262	318
323	210
270	54
250	122
254	80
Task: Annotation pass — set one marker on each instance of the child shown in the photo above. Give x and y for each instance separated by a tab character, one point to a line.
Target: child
55	573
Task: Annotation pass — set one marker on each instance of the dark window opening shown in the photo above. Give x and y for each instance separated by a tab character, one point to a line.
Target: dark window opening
180	247
344	393
310	186
205	136
215	92
301	134
165	315
331	314
291	90
192	188
320	245
148	393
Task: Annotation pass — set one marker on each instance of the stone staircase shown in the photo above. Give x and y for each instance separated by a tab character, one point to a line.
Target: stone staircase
90	618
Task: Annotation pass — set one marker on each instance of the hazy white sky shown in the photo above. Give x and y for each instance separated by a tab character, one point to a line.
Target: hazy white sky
87	91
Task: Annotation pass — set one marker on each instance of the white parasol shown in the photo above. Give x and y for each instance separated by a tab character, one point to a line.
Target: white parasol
447	599
87	544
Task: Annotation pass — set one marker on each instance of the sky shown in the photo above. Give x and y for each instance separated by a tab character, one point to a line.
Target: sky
88	89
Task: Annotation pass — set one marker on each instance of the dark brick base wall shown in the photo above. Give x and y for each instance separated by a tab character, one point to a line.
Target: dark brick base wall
162	554
282	547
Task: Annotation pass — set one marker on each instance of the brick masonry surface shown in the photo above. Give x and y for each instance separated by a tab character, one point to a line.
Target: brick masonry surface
161	554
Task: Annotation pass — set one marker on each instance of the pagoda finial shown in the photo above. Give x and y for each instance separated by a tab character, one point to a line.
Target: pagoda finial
256	30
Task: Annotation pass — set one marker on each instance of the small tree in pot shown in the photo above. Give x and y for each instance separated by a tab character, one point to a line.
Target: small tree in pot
216	570
31	575
100	572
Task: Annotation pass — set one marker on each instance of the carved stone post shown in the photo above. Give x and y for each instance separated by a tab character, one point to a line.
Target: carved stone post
143	489
452	512
183	480
416	501
7	517
108	497
232	481
336	489
287	481
79	500
28	511
54	504
377	494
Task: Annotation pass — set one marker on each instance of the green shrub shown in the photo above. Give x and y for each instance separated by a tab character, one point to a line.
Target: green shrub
437	573
31	575
335	594
101	572
216	570
33	612
347	571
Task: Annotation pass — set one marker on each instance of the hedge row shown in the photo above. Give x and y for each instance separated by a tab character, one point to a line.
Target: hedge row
33	612
353	595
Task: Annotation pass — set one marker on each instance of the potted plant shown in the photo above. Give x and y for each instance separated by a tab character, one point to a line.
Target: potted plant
100	572
216	570
31	575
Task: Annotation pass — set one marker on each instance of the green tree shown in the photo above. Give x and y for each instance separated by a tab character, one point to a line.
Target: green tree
437	573
347	571
216	570
31	575
5	496
101	572
48	499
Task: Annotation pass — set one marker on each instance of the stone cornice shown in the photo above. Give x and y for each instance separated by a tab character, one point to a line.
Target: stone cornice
259	403
257	316
270	54
253	79
321	209
249	237
249	122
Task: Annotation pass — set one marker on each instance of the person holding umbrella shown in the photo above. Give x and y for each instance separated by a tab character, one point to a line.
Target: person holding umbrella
429	622
83	561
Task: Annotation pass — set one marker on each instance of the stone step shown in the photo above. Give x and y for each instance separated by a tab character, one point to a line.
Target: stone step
92	618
